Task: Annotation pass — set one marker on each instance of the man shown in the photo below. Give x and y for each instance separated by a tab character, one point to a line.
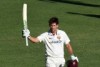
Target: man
54	41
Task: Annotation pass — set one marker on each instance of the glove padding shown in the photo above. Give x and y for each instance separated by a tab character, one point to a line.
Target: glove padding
26	33
74	58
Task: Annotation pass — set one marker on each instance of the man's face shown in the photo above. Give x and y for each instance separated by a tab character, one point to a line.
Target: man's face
53	27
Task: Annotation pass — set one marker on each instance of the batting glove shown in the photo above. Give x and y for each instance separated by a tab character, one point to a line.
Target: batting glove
74	58
26	33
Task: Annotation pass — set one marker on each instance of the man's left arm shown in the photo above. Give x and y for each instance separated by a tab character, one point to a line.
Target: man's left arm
70	51
69	48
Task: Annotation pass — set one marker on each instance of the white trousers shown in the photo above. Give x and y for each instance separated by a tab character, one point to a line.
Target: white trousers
55	62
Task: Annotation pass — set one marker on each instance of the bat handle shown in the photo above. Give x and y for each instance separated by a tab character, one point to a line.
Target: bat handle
26	41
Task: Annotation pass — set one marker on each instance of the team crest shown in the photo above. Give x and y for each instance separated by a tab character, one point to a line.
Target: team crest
58	37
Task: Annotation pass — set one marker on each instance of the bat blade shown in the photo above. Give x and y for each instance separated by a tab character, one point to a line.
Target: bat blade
25	20
25	15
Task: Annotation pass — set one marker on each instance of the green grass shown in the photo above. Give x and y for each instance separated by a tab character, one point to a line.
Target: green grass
80	21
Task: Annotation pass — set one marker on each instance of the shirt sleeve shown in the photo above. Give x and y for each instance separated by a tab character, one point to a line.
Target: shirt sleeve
41	37
66	38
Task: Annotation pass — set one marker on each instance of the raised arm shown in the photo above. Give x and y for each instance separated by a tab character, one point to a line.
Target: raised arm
33	39
26	33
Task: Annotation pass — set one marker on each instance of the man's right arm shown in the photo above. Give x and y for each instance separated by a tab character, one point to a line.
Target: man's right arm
26	33
33	39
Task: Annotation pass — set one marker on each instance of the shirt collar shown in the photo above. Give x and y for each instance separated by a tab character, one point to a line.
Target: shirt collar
49	33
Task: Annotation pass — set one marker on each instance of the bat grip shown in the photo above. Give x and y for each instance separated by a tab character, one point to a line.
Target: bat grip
26	39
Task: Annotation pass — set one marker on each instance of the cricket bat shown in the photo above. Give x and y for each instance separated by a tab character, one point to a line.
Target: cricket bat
25	20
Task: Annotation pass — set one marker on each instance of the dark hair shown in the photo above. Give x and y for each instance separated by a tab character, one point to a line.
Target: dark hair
53	20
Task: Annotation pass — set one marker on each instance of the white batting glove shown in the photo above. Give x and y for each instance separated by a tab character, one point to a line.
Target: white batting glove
74	58
26	33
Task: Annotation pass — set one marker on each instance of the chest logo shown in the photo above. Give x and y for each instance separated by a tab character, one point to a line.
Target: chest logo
58	37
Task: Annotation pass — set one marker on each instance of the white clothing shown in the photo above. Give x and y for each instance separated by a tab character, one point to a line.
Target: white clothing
55	62
54	43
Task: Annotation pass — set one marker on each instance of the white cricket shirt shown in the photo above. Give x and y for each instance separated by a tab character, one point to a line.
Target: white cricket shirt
54	44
